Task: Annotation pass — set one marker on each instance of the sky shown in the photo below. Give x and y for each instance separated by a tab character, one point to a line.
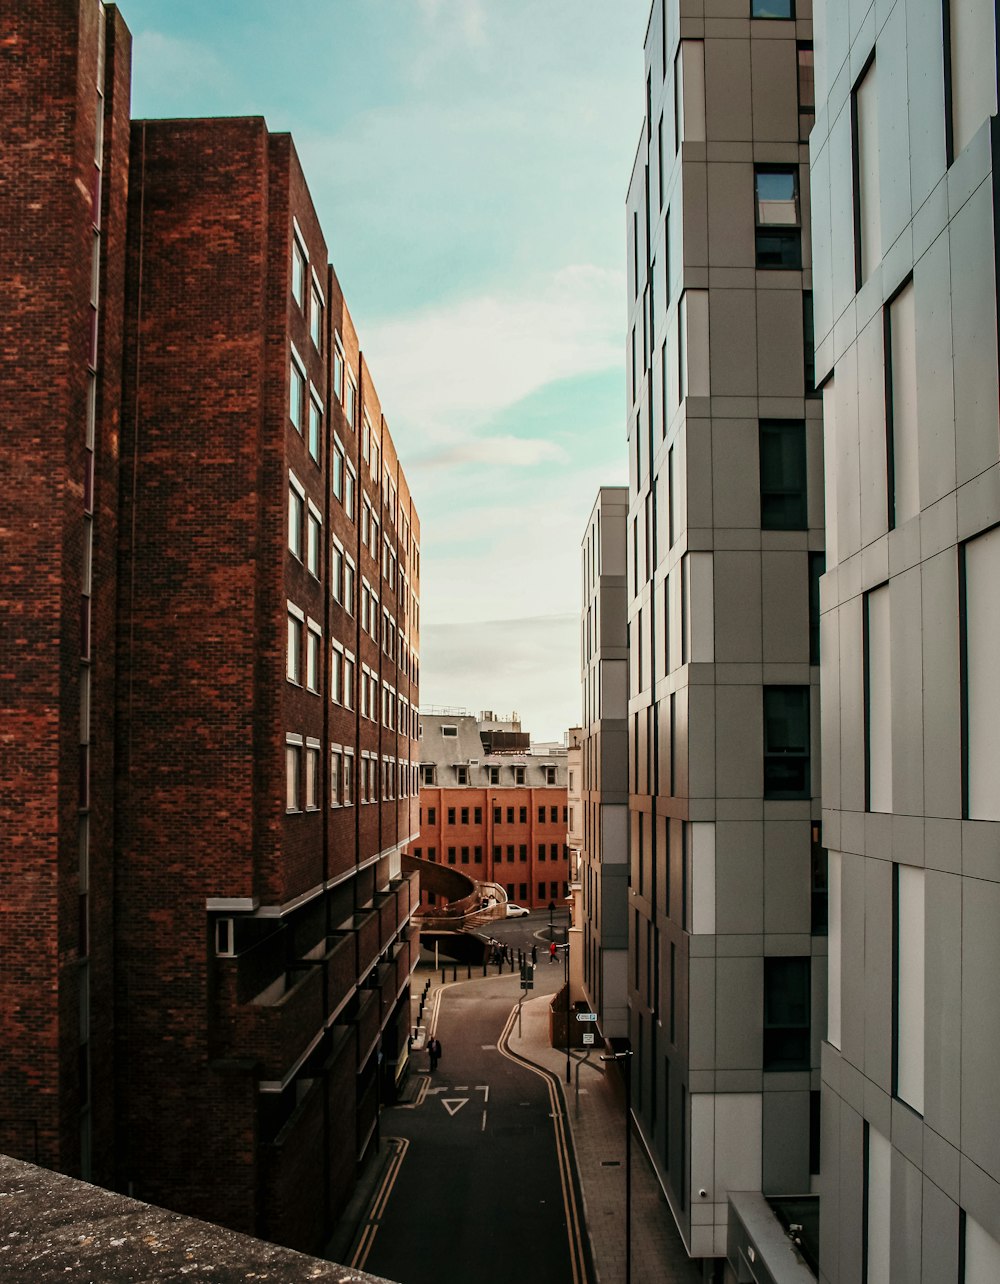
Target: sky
468	160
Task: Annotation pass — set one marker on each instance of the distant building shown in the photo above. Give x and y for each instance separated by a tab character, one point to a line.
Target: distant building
727	894
209	661
603	874
494	805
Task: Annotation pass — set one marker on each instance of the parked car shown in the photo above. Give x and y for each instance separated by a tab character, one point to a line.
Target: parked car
516	911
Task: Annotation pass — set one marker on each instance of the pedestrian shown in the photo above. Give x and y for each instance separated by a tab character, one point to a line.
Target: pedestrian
434	1052
552	951
534	955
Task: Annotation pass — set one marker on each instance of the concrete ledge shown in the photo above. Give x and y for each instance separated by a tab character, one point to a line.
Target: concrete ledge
56	1228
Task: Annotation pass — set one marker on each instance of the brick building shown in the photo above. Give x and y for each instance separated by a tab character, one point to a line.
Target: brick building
207	945
494	806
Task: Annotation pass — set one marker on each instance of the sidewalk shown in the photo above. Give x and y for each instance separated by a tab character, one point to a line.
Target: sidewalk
597	1122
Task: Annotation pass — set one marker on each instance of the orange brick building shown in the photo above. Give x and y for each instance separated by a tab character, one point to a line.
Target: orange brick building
493	805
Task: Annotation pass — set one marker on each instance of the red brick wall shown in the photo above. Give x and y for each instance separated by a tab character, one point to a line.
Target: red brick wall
487	835
49	101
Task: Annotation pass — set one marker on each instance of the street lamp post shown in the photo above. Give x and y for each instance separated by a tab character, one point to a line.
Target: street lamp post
627	1058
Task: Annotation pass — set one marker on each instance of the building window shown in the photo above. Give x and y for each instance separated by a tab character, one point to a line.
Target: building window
314	535
979	606
348	690
541	851
867	198
293	659
348	779
518	775
900	347
316	317
970	72
296	515
312	777
807	91
351	401
786	1013
494	775
293	774
523	815
315	425
820	892
876	1186
337	572
449	731
809	346
778	226
981	1253
541	815
296	393
786	742
350	486
299	260
338	368
348	600
783	494
336	673
432	815
314	643
478	816
772	9
817	569
465	855
878	701
451	855
338	469
908	985
336	768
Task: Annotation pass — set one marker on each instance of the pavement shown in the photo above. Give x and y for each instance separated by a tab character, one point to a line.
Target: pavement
593	1108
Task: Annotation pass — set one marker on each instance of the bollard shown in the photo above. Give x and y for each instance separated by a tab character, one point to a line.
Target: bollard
444	976
468	972
454	972
484	969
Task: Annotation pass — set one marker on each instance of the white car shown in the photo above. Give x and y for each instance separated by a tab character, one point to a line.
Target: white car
516	911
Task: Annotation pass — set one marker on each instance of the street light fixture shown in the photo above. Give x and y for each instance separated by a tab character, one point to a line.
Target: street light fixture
626	1056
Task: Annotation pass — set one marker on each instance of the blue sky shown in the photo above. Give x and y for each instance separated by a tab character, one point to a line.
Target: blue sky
469	161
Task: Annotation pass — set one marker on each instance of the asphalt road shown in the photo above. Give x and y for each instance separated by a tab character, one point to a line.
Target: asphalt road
480	1188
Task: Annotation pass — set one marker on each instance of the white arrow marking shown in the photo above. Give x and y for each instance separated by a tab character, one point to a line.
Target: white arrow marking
454	1104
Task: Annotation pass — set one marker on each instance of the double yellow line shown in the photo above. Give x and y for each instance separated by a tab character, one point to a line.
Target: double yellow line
564	1149
377	1210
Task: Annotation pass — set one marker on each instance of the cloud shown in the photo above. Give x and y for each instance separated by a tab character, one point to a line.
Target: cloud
530	665
452	366
509	452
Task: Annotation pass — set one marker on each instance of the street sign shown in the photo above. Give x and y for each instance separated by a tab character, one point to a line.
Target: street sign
586	1016
588	1037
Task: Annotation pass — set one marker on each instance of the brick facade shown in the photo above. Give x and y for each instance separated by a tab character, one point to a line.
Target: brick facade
240	937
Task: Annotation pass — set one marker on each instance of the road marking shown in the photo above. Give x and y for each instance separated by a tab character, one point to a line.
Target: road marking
574	1223
483	1125
461	1087
378	1207
454	1104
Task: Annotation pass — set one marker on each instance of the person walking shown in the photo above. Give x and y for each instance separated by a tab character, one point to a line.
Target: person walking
552	951
434	1052
534	955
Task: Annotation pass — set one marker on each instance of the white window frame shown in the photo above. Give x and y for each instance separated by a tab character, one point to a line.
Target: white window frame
314	656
